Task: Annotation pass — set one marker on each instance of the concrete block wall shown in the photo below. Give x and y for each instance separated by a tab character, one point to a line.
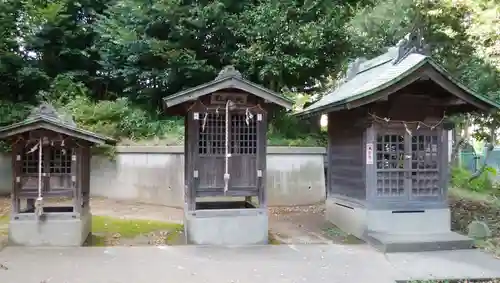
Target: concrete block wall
155	174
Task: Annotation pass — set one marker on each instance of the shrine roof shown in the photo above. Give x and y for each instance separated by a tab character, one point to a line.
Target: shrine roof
228	78
46	117
369	80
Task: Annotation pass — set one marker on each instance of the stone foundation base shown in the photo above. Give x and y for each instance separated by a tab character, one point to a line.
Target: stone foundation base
227	227
396	230
61	230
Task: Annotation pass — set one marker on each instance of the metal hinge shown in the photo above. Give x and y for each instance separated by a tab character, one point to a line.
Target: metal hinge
195	173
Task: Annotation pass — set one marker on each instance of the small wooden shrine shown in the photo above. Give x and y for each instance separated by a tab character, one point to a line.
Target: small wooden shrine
388	167
225	157
50	161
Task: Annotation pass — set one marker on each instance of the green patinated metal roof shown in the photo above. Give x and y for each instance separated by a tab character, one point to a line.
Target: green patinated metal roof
45	117
368	77
227	78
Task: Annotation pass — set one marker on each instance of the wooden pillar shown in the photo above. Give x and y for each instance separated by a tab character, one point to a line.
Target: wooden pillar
187	180
190	158
76	180
331	132
46	149
370	139
444	166
261	158
16	176
86	176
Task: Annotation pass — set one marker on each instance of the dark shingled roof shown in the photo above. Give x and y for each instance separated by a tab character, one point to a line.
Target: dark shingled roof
228	77
46	117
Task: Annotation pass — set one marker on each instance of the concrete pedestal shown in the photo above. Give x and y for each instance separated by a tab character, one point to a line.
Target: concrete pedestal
390	231
53	229
217	225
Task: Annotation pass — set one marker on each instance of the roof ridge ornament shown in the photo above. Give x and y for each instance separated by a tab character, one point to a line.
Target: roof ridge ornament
228	71
354	68
413	42
47	110
44	109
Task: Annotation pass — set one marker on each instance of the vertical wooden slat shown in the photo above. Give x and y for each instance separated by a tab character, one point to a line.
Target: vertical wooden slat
346	170
331	134
76	161
16	180
187	163
84	180
444	168
46	169
261	158
407	166
370	136
87	170
192	137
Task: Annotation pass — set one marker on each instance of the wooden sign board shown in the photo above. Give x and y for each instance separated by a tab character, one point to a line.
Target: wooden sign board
369	153
223	97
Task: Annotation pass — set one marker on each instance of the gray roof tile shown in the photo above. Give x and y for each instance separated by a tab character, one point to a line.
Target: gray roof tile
379	73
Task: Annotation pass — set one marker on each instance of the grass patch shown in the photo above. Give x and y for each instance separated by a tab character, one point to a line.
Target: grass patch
335	233
130	228
4	219
272	240
467	206
111	231
474	196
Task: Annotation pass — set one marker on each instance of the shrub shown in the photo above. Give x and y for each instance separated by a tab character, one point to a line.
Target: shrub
461	178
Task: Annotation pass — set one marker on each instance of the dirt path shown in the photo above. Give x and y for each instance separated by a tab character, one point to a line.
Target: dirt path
131	210
290	225
4	221
306	225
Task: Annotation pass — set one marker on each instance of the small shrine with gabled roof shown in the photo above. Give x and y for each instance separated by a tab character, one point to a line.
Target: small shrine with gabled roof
388	168
50	160
225	157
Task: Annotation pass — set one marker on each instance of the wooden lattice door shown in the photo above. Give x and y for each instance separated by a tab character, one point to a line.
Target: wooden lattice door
56	166
243	140
408	165
425	165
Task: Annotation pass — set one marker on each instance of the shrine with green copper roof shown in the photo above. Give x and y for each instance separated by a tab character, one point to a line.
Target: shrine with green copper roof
402	65
388	145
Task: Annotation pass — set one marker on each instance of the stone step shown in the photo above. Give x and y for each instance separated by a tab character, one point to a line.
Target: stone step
394	243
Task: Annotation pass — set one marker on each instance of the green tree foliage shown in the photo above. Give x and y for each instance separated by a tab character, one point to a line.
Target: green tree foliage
463	36
109	62
61	37
19	76
159	49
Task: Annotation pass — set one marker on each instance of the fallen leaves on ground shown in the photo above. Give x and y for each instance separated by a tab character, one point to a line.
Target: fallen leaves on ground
312	209
464	211
5	204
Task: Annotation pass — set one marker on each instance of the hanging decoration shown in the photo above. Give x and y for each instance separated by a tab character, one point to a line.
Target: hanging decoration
39	200
39	146
248	116
229	103
204	123
406	124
